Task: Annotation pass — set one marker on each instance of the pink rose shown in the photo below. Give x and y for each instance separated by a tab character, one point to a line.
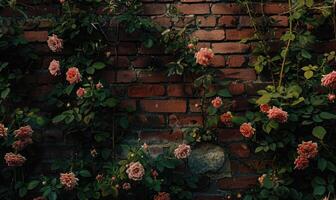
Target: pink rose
204	56
81	92
3	130
99	85
73	75
261	179
277	114
99	177
21	144
308	149
54	43
226	118
54	67
135	171
264	108
217	102
68	180
14	160
61	1
247	130
301	162
329	80
126	186
23	132
331	97
190	46
162	196
182	151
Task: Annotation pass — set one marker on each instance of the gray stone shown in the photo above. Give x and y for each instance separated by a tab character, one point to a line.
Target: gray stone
209	159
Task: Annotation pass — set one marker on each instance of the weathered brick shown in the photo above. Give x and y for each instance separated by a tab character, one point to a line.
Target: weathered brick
154	9
209	21
197	8
164	106
230	47
240	150
239	34
36	36
146	90
213	35
237	182
226	8
228	21
126	76
235	60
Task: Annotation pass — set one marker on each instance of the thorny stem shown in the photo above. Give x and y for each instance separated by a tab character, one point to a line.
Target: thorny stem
288	44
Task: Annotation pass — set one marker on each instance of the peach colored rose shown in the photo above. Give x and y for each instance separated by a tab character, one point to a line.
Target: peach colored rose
308	149
217	102
277	114
126	186
247	130
261	179
264	108
23	132
14	160
331	97
204	56
54	43
69	180
226	118
73	75
99	85
162	196
61	1
329	80
3	130
19	145
54	67
182	151
135	171
81	92
190	46
93	152
301	162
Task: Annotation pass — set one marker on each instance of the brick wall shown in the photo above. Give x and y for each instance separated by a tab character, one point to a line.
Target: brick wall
163	103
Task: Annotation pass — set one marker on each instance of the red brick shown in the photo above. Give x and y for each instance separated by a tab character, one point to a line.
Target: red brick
275	8
203	45
235	60
127	104
192	1
230	47
242	74
235	34
229	135
209	21
149	121
109	76
197	8
126	76
218	61
154	9
228	21
163	21
161	106
194	105
226	8
179	90
240	150
184	21
156	77
237	182
236	88
36	36
213	35
177	120
160	136
280	20
146	90
127	48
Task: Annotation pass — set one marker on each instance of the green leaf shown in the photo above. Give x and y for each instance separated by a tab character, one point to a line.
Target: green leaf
85	173
98	65
32	184
308	74
264	99
327	115
309	3
319	132
5	93
111	102
224	93
22	192
322	164
319	190
90	70
69	89
58	118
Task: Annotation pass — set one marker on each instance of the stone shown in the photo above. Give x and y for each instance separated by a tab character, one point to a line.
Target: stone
209	159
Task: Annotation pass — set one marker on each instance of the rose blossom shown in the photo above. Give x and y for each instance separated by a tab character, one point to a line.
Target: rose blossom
261	179
190	46
301	162
331	97
135	171
154	173
99	85
14	160
21	144
162	196
226	118
23	132
308	149
277	114
54	67
264	108
73	75
99	177
3	130
204	56
54	43
182	151
62	1
68	180
247	130
39	198
126	186
217	102
81	92
329	80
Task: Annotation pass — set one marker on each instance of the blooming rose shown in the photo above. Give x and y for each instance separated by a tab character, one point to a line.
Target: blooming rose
93	152
23	132
162	196
99	177
261	179
204	56
301	162
264	108
54	43
190	46
135	171
277	114
308	149
54	67
226	118
14	160
247	130
329	80
73	75
3	130
217	102
61	1
331	97
126	186
68	180
21	144
81	92
154	173
182	151
99	85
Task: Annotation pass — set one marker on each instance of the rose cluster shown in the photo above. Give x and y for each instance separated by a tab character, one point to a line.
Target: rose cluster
306	150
